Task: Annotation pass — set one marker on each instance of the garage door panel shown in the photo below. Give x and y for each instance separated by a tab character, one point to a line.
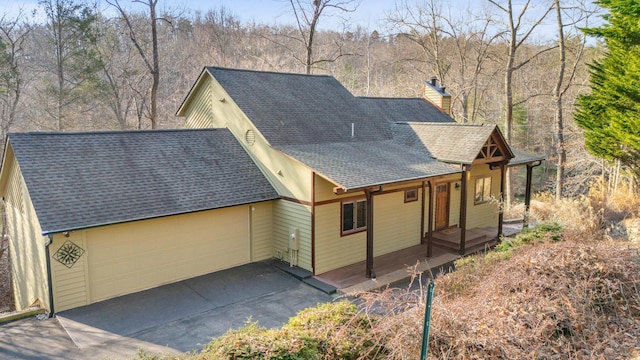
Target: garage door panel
135	256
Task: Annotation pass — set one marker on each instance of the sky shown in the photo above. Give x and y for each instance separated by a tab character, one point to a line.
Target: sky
368	14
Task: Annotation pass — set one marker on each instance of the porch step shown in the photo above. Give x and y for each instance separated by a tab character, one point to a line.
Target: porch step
298	273
320	285
475	240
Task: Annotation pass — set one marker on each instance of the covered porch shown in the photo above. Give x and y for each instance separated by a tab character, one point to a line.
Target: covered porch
398	265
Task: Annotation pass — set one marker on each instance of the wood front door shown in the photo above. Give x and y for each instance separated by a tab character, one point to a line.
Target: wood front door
442	206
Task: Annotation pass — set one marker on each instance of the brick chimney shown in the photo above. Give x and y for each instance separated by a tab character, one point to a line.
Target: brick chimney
437	95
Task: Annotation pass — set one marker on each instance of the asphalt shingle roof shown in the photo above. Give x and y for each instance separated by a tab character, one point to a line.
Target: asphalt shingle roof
354	165
300	109
405	110
523	157
450	142
82	180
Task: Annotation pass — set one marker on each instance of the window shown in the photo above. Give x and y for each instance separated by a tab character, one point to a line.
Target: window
354	216
411	195
483	190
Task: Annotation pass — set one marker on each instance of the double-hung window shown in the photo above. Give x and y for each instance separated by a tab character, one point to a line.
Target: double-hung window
354	216
483	190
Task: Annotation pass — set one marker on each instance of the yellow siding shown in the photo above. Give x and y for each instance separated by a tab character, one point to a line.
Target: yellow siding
261	231
26	244
486	214
198	115
396	223
454	204
332	250
134	256
288	215
70	285
436	98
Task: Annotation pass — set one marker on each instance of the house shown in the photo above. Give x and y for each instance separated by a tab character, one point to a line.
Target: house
305	171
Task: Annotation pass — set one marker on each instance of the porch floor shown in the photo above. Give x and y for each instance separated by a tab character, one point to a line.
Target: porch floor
397	266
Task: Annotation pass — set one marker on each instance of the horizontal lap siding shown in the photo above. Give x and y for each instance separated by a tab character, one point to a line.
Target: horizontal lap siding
396	223
486	214
261	231
332	250
70	287
139	255
199	115
26	244
289	215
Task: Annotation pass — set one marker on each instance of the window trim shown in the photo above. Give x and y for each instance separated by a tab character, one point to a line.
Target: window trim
408	199
356	229
482	200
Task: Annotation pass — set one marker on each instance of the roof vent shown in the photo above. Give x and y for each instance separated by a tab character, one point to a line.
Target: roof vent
250	137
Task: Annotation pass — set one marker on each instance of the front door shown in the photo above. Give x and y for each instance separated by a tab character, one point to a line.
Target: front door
442	206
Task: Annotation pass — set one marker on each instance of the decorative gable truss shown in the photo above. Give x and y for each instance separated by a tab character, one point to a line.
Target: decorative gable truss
493	151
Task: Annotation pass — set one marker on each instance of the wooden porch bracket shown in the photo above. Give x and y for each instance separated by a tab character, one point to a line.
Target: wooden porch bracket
463	208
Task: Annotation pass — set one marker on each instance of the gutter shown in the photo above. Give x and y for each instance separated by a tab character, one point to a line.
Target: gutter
49	279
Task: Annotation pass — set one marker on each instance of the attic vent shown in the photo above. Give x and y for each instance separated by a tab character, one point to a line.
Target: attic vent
250	137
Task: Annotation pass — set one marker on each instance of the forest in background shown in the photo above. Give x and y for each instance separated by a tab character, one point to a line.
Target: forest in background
521	65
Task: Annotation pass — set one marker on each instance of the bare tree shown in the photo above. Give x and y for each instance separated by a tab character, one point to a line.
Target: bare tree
519	31
152	62
578	13
307	16
13	35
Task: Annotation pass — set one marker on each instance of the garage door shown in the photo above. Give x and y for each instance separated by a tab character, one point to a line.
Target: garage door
140	255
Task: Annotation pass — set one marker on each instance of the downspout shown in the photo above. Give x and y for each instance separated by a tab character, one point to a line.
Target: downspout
527	194
463	209
422	237
49	279
430	222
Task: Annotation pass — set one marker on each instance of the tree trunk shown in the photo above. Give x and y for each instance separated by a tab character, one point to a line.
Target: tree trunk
557	95
156	65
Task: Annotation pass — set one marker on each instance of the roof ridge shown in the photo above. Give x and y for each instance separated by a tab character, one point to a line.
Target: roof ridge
268	72
390	97
440	124
102	132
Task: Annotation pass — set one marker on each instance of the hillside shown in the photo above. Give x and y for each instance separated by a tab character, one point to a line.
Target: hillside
557	292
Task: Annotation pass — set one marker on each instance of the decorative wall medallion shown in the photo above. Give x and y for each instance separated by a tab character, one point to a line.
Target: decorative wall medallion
68	254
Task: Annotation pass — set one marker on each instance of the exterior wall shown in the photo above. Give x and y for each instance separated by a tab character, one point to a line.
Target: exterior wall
130	257
71	285
287	216
396	225
289	178
26	244
198	114
485	214
261	231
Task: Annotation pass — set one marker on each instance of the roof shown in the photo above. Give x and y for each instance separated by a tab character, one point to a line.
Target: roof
406	110
356	165
449	142
523	157
83	180
300	109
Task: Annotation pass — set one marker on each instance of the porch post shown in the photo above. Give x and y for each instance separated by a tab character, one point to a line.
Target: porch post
369	263
527	197
463	209
501	210
430	222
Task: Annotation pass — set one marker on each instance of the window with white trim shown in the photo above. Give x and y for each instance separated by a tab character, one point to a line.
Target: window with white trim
354	216
483	190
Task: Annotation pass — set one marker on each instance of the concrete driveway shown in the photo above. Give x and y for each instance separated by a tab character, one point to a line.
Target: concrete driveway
174	318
